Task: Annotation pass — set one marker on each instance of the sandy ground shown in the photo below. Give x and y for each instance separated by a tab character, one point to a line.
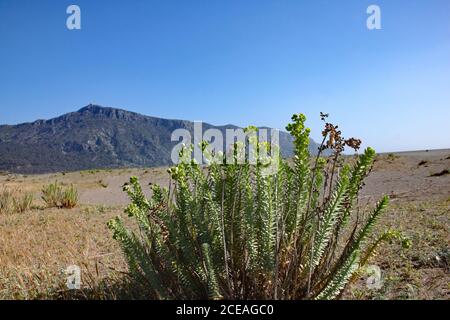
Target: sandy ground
35	246
407	176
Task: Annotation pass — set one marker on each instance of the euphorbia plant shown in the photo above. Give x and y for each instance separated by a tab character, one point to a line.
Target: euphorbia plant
229	231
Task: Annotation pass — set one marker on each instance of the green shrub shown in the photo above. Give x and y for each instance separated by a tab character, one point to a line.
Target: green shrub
54	195
23	203
69	197
233	232
11	204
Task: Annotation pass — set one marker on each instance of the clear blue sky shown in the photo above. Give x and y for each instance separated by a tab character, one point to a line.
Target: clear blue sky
242	62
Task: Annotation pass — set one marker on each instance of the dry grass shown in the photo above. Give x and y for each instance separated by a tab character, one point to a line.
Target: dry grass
6	201
35	248
422	271
55	195
12	201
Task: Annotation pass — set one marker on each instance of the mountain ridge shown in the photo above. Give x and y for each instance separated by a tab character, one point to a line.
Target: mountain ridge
97	137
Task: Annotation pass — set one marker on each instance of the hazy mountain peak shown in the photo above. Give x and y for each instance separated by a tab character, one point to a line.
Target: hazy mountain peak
97	137
92	108
98	110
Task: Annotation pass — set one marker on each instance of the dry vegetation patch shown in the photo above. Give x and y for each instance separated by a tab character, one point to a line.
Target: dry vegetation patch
36	247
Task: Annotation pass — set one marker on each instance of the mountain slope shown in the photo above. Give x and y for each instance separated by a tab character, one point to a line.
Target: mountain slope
96	137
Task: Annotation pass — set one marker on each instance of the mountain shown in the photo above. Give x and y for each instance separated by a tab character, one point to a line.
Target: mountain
97	137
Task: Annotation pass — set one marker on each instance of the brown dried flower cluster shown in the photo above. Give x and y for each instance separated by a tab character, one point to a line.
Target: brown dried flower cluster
335	140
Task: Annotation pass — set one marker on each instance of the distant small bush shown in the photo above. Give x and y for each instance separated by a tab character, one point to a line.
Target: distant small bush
55	196
69	197
6	201
52	194
11	204
391	157
23	203
103	183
